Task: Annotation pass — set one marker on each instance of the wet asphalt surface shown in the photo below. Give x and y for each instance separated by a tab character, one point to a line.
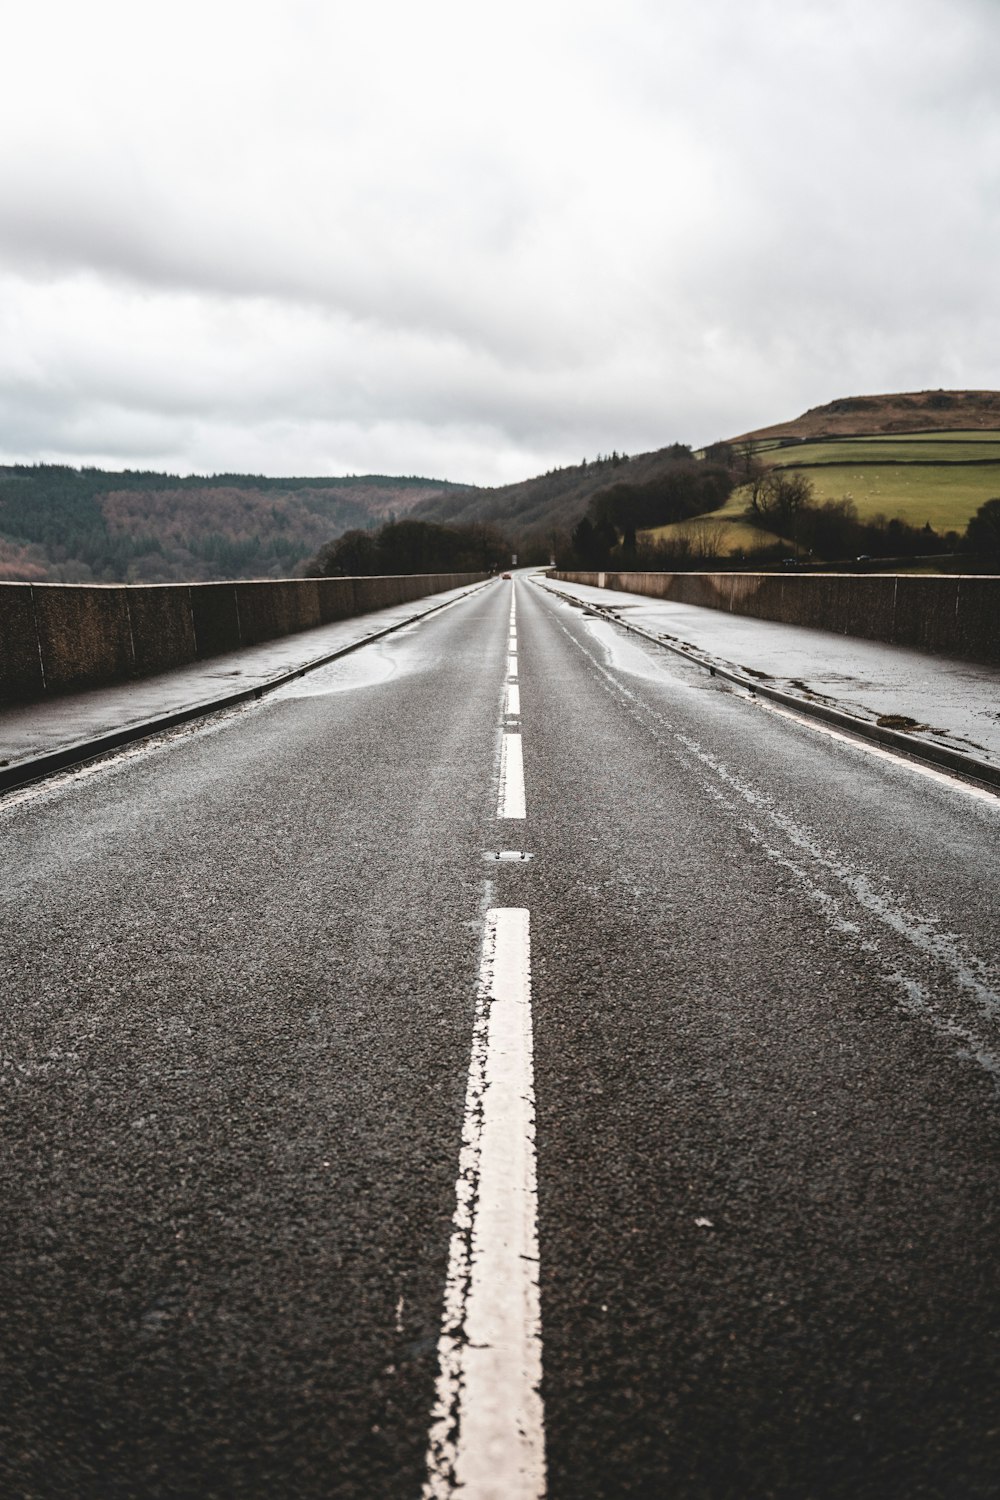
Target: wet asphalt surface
240	973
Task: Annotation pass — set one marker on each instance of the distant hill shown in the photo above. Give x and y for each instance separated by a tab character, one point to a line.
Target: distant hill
927	457
912	411
65	525
534	511
61	524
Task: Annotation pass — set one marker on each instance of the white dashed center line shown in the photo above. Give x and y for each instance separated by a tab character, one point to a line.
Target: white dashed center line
487	1439
510	803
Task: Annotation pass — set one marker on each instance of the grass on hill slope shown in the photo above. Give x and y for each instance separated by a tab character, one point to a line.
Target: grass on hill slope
946	497
920	478
938	478
719	533
913	448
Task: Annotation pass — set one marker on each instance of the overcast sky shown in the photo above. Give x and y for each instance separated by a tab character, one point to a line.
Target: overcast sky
311	236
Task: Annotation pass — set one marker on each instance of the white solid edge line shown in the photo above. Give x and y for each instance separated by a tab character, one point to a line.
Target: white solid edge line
487	1437
513	709
882	752
511	800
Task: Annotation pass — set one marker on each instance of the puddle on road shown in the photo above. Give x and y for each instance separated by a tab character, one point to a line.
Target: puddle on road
625	654
367	667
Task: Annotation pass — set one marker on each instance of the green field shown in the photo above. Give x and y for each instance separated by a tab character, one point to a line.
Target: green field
721	533
973	435
934	477
927	448
947	496
921	477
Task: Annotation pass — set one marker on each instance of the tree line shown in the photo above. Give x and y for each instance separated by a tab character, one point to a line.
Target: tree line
781	504
68	525
618	513
410	546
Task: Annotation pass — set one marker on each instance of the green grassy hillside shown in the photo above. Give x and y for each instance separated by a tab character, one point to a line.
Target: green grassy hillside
717	533
936	478
914	448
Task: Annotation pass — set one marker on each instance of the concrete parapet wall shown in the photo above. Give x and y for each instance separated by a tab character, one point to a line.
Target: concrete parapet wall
336	599
63	637
84	635
20	659
268	610
216	619
163	631
953	615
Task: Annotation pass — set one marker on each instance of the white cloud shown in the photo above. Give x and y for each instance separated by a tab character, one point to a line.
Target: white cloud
325	237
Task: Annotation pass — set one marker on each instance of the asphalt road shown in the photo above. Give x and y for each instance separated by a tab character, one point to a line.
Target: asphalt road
243	972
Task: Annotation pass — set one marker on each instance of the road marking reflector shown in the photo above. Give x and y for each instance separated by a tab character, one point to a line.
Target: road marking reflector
487	1438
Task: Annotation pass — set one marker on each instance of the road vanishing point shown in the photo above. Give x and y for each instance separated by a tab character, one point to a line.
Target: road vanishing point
507	1062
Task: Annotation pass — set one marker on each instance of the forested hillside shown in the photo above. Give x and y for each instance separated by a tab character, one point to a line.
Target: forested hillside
540	513
64	525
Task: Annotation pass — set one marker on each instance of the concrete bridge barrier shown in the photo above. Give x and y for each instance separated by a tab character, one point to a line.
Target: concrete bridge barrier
268	610
954	615
336	599
63	637
84	636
